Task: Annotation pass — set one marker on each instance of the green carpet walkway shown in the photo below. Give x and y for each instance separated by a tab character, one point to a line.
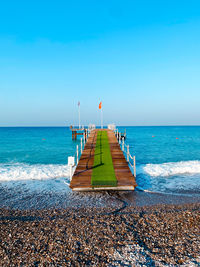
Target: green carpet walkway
103	173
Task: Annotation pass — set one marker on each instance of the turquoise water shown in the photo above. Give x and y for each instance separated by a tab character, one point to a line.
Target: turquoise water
168	158
34	161
37	145
160	144
52	145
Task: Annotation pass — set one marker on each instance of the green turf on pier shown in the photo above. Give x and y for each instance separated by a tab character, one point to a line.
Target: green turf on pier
103	173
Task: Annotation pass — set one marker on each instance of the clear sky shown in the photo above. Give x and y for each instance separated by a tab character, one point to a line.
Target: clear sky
141	58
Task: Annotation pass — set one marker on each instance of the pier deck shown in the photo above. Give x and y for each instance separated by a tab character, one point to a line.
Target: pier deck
82	178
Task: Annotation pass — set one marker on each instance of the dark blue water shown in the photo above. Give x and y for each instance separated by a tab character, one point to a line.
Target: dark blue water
35	159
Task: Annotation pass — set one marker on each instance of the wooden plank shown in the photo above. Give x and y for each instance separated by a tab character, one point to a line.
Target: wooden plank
83	172
122	170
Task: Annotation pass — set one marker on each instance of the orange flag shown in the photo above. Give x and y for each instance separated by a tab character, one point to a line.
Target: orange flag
100	105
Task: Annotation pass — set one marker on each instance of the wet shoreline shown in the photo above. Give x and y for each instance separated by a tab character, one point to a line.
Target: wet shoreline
20	197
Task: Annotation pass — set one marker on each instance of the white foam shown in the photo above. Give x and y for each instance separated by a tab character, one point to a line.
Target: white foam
170	168
20	171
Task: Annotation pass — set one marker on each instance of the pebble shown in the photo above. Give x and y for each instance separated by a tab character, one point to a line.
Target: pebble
162	235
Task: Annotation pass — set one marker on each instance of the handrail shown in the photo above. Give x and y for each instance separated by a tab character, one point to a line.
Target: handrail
131	156
79	149
128	155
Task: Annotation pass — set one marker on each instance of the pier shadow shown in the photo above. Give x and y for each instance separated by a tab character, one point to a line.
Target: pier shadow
91	156
98	165
97	154
89	168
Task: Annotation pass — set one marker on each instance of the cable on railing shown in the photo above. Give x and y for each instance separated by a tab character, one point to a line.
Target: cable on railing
131	156
126	151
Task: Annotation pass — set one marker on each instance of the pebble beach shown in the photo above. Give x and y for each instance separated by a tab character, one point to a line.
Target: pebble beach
158	235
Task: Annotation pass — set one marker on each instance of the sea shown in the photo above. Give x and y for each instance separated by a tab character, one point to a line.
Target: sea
34	172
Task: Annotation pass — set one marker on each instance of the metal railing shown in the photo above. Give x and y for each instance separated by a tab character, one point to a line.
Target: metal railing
120	135
80	147
126	150
77	154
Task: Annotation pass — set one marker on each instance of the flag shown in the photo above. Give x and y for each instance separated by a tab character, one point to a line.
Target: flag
100	105
79	103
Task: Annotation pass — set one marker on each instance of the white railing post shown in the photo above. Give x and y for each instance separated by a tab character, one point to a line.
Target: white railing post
117	134
134	166
123	144
128	153
70	172
84	138
81	145
71	164
77	154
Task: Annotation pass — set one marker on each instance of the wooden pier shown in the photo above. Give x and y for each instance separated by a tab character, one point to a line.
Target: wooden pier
77	131
82	178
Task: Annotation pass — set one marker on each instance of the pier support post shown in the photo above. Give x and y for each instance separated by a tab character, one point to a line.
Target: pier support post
123	144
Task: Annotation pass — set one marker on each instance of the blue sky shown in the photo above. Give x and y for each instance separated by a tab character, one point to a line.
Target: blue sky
141	58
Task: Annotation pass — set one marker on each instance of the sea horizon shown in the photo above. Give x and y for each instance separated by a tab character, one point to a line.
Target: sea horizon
97	126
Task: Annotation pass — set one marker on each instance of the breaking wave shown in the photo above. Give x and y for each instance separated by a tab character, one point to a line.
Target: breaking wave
21	171
170	168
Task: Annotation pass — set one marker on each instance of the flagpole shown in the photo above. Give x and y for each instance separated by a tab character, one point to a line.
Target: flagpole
101	114
79	116
101	119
